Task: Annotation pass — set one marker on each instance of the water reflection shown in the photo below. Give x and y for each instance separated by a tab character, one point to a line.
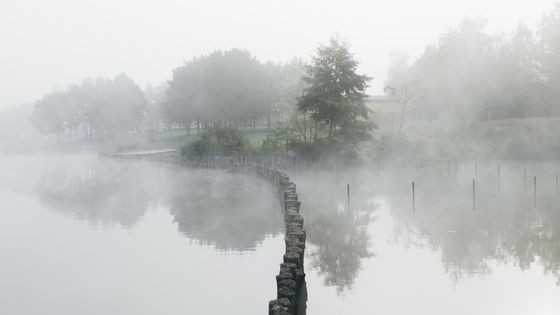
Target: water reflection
233	213
229	212
338	239
505	228
100	195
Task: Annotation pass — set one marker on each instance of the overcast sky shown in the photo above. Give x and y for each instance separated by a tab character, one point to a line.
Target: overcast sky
51	43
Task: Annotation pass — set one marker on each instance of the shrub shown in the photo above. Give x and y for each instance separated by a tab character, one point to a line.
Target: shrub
218	140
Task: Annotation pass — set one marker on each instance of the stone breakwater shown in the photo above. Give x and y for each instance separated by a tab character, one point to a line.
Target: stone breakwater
290	281
291	288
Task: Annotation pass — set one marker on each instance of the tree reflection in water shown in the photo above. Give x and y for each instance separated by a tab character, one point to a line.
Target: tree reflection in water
236	212
101	194
211	207
337	239
505	228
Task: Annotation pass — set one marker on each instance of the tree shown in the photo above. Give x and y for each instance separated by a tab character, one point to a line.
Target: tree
224	86
154	97
51	113
128	103
335	98
549	57
401	85
99	107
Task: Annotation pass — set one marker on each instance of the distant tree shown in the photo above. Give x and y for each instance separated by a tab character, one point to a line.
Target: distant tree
334	98
231	86
155	96
401	85
100	107
222	86
549	57
51	113
290	87
128	103
517	87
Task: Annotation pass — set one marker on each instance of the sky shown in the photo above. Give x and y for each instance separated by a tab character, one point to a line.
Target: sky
48	44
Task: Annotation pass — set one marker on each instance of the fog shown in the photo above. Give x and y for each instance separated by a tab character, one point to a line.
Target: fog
77	230
56	43
310	158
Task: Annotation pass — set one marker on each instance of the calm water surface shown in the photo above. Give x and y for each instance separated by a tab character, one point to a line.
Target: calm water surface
503	257
84	235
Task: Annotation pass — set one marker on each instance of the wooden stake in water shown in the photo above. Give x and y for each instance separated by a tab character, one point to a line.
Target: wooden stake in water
535	191
556	183
524	178
413	201
473	195
348	195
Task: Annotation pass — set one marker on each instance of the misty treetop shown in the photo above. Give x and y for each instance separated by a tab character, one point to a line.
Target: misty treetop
472	75
94	108
230	86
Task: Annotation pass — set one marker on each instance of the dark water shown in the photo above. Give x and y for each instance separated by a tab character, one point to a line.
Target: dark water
83	235
503	257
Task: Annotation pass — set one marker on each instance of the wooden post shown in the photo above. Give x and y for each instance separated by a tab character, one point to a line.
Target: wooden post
413	199
473	195
348	195
535	191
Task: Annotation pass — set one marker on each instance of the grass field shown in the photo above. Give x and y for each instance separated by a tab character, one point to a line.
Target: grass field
172	139
515	139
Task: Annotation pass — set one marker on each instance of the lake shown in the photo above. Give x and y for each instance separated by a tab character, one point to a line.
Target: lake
81	234
86	235
379	256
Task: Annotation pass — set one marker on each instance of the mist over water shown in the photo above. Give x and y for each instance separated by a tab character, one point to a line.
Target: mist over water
501	257
234	157
86	235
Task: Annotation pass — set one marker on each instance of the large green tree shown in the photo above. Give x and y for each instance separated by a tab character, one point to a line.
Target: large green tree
334	98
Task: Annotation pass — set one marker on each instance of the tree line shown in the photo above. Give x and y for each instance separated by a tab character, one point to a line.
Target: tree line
322	104
474	75
227	87
231	87
94	108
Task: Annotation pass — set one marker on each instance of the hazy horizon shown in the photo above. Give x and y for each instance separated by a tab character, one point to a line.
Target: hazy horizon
48	45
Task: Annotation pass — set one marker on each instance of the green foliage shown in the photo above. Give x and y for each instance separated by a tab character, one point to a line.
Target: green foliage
335	94
331	117
218	140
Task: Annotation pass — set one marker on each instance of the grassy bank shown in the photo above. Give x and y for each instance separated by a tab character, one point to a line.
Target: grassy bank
512	139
